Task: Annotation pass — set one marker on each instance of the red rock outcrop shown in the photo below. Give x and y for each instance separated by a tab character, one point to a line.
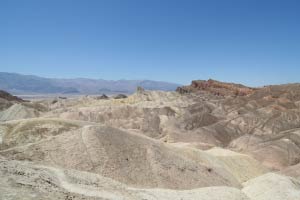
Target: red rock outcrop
217	88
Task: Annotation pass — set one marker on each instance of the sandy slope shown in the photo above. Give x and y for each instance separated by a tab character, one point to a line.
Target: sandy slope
57	183
126	157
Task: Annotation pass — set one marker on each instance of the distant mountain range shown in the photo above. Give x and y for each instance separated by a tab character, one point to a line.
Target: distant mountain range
29	84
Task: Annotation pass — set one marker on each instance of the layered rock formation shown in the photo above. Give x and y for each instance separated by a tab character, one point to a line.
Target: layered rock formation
216	88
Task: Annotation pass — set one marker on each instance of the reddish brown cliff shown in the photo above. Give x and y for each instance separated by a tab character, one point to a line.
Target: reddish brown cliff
216	88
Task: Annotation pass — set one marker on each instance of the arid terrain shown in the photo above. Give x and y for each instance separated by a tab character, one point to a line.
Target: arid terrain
206	141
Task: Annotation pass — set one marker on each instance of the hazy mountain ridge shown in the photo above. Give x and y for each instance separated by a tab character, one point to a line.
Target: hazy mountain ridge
29	84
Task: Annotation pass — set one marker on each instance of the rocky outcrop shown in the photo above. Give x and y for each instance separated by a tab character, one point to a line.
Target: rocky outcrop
7	100
9	97
120	96
103	96
216	88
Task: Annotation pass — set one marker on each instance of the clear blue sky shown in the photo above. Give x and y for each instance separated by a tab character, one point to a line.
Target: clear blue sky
254	42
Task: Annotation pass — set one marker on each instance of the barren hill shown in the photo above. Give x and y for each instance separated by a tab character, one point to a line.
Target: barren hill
209	141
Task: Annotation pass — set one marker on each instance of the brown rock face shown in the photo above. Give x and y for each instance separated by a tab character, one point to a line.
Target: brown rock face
7	100
9	97
216	88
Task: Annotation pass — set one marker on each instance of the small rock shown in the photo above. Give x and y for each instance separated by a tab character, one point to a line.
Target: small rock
103	96
120	96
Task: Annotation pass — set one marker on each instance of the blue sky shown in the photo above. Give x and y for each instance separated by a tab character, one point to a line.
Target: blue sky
255	42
